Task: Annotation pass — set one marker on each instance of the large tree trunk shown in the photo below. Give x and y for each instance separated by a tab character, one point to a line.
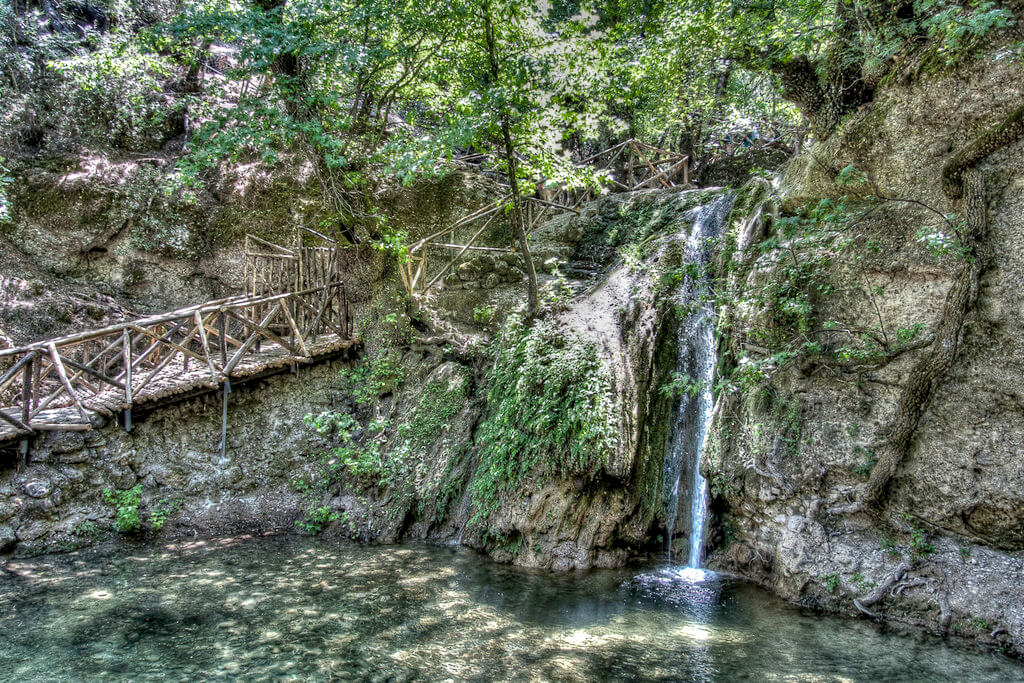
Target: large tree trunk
827	90
963	185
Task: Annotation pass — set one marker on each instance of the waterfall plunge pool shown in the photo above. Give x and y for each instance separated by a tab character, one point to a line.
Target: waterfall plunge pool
307	609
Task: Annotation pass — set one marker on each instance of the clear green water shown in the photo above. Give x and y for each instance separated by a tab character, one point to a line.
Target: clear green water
280	608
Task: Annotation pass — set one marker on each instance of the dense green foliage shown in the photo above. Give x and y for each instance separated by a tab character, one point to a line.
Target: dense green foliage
549	412
381	91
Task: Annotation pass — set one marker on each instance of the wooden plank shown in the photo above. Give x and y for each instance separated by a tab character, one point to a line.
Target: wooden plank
222	343
173	345
654	171
201	326
62	373
16	423
60	426
458	256
257	254
610	149
156	371
265	243
26	391
94	373
236	359
310	308
295	330
319	234
13	370
446	245
265	332
553	205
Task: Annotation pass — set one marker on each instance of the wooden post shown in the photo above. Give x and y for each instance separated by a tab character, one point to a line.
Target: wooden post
222	333
630	179
206	346
36	370
26	391
126	353
63	375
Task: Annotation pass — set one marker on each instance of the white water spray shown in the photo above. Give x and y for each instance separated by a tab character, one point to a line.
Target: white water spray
696	361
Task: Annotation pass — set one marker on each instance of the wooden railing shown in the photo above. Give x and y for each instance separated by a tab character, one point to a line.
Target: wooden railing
633	165
115	367
413	269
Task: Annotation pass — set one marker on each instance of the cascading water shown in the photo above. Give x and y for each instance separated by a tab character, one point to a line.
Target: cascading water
695	366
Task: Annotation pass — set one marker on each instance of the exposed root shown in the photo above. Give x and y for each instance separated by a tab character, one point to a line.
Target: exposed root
962	184
904	585
881	590
997	137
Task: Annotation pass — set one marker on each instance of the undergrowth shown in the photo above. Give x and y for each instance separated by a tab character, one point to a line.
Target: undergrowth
549	412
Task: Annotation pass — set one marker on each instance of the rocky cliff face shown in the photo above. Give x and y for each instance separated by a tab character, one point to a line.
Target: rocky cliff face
826	323
409	441
63	499
544	445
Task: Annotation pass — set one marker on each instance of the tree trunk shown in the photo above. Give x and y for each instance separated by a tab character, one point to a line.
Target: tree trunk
518	229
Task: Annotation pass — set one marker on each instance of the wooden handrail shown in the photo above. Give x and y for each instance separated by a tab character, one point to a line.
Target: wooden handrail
87	370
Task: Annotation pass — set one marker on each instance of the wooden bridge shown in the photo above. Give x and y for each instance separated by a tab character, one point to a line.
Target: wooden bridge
295	309
626	167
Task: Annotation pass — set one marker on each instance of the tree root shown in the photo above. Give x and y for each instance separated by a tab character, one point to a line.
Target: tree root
962	184
880	590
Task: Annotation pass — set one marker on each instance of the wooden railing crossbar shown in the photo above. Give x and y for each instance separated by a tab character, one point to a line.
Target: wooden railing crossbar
110	368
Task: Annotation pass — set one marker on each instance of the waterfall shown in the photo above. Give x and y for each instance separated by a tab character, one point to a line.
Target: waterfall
696	362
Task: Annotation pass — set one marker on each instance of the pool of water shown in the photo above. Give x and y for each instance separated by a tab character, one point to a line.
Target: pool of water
280	608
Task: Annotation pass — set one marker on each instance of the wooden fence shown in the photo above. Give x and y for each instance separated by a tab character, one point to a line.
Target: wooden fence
413	269
633	165
114	368
629	166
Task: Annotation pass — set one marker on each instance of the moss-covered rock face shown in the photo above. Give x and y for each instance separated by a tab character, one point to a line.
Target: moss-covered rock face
832	289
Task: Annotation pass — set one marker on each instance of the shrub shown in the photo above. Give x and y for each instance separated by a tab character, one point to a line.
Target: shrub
126	505
549	412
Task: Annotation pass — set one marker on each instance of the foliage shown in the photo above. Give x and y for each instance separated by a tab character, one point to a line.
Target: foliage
681	384
483	314
549	412
889	545
373	377
127	517
398	457
940	241
919	543
831	582
126	504
955	28
113	94
161	512
317	518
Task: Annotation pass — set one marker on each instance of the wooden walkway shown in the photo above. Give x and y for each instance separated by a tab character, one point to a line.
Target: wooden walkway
626	167
60	384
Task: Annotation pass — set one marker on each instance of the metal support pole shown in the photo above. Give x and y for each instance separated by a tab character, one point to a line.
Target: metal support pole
224	420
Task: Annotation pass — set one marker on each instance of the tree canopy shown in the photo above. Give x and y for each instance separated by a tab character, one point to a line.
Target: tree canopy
378	91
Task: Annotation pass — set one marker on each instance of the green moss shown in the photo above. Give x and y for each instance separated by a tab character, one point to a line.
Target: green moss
549	413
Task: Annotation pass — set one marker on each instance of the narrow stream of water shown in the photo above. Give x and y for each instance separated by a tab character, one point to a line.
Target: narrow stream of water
683	481
302	609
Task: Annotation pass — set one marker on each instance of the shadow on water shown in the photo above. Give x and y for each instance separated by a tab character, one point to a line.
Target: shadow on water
280	608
